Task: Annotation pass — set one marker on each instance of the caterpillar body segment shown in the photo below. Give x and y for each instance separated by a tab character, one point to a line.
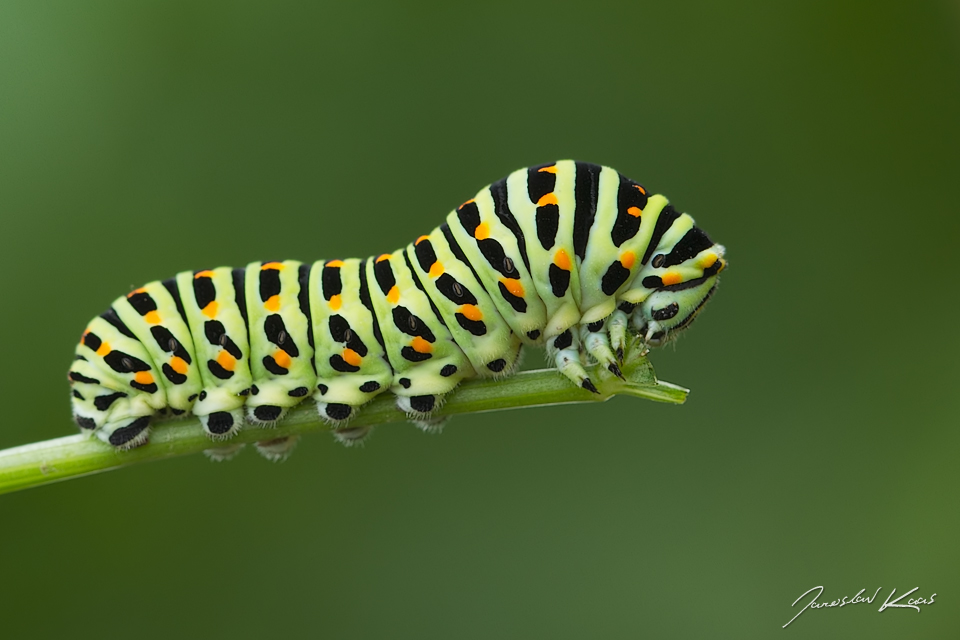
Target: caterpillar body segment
352	367
209	301
543	201
279	324
569	255
468	311
486	231
421	350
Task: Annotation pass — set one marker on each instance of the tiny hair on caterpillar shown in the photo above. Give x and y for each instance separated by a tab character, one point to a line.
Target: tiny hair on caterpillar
568	255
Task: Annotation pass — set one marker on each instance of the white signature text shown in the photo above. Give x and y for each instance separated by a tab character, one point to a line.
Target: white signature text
889	603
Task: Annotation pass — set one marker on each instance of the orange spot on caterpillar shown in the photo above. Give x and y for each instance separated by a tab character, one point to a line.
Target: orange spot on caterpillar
708	260
436	270
136	291
562	260
382	257
179	365
351	357
152	317
641	189
551	169
277	266
272	303
421	239
104	349
335	302
471	312
143	377
393	296
628	258
227	361
513	286
420	345
634	211
482	231
282	358
471	201
672	277
549	198
335	263
203	274
211	309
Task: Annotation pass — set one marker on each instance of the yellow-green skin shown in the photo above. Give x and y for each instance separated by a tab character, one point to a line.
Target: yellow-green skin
568	255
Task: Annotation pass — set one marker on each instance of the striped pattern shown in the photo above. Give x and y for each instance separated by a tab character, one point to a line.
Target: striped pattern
569	255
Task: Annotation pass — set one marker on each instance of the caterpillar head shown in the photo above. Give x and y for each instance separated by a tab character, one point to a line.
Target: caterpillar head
673	307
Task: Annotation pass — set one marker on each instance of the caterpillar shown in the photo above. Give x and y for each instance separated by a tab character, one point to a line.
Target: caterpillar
568	255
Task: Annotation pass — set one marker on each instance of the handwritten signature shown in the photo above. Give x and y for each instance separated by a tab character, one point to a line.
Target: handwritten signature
912	603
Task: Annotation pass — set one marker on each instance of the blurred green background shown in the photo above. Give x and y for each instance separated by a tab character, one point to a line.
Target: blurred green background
819	141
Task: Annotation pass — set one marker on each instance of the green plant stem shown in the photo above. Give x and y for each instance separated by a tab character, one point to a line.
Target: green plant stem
78	455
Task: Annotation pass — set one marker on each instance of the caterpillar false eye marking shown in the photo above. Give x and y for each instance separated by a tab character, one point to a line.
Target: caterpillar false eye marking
570	255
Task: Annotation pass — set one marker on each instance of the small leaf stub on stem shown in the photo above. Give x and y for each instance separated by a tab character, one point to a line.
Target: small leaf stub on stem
73	456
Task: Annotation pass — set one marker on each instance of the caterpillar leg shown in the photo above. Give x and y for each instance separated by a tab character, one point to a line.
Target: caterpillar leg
617	329
120	418
220	410
222	425
265	415
273	401
126	434
597	343
650	332
338	415
564	350
269	400
419	410
340	398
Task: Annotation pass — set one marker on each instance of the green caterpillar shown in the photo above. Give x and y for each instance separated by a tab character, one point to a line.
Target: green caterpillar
570	255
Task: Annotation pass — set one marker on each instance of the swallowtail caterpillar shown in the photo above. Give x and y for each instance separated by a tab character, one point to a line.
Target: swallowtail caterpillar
569	255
